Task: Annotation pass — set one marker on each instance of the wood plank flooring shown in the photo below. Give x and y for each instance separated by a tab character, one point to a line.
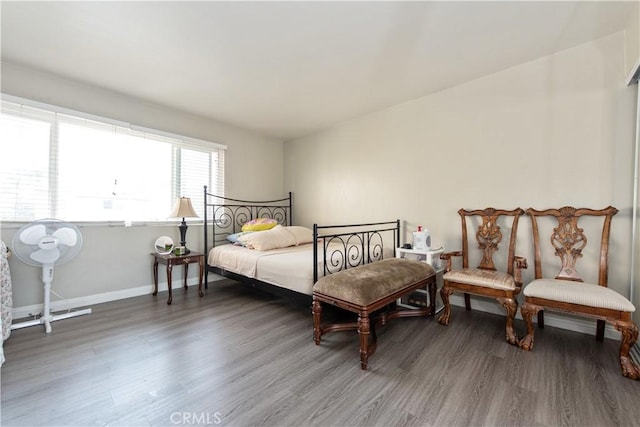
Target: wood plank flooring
238	357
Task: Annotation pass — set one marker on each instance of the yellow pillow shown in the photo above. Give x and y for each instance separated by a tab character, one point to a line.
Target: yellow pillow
259	224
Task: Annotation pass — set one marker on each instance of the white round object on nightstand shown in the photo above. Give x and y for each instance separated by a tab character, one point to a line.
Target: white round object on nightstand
164	245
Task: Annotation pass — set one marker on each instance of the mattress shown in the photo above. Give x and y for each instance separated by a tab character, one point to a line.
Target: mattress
290	268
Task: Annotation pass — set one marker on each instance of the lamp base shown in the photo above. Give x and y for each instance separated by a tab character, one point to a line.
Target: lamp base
183	234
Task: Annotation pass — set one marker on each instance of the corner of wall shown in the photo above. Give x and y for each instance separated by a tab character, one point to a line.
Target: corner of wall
632	44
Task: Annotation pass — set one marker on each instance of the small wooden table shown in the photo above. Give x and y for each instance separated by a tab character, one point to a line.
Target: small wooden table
171	260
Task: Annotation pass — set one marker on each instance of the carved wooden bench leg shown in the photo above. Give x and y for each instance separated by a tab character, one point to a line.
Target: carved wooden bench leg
511	305
363	331
316	309
446	312
629	332
528	311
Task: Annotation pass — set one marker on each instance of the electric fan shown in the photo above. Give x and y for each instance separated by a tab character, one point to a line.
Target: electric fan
46	243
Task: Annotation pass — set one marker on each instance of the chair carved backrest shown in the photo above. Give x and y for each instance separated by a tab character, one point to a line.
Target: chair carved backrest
489	236
569	240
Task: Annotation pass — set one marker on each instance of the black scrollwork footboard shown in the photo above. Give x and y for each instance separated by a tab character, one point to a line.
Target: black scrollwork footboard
339	247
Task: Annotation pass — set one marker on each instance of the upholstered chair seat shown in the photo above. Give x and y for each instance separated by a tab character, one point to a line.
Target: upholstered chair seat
484	278
571	292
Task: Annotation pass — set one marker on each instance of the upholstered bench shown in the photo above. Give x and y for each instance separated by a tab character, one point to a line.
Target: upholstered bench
368	288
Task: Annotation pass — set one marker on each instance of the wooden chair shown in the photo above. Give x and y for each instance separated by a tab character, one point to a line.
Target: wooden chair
567	292
486	280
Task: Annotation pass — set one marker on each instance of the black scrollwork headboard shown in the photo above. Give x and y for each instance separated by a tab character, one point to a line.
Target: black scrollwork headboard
224	216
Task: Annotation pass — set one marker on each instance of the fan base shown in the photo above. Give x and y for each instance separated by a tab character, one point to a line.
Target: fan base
46	320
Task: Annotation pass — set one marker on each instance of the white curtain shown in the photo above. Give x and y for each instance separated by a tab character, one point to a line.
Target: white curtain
6	300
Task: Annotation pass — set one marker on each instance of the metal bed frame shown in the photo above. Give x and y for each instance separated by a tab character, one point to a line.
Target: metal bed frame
341	246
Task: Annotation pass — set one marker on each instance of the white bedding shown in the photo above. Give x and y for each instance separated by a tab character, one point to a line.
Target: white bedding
290	268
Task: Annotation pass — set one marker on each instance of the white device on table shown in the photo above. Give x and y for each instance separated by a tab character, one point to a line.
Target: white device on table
421	239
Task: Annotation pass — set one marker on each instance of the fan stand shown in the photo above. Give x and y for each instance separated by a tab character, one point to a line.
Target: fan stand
47	317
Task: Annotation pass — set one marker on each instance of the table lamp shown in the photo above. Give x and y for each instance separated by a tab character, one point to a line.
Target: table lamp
183	209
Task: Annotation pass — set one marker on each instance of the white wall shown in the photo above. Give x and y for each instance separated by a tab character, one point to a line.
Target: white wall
632	39
552	132
116	259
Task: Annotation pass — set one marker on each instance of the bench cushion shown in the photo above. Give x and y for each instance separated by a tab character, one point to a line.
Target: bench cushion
366	284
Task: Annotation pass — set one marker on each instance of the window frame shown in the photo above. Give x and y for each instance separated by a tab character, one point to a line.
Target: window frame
178	143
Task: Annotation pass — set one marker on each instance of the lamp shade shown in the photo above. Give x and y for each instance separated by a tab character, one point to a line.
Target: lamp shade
183	209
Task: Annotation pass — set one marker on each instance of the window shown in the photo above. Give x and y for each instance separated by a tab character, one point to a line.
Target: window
56	164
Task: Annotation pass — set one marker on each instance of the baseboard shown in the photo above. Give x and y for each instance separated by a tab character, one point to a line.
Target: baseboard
568	322
635	354
30	311
585	326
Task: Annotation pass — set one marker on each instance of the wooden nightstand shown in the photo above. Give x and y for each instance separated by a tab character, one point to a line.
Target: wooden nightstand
170	261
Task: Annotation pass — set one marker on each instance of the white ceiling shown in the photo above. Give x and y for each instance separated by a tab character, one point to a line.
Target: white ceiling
288	69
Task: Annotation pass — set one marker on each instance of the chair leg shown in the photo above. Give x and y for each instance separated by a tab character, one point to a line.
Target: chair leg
511	305
316	309
600	330
528	311
363	331
446	311
467	302
629	332
541	319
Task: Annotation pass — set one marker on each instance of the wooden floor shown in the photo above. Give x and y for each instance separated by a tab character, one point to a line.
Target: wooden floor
238	357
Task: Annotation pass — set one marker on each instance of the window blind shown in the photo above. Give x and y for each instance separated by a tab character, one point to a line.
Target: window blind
69	165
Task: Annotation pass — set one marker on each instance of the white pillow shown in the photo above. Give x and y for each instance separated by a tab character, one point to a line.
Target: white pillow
277	237
301	234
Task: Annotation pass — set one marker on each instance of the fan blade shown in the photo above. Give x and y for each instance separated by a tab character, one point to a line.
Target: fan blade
66	236
33	234
46	256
